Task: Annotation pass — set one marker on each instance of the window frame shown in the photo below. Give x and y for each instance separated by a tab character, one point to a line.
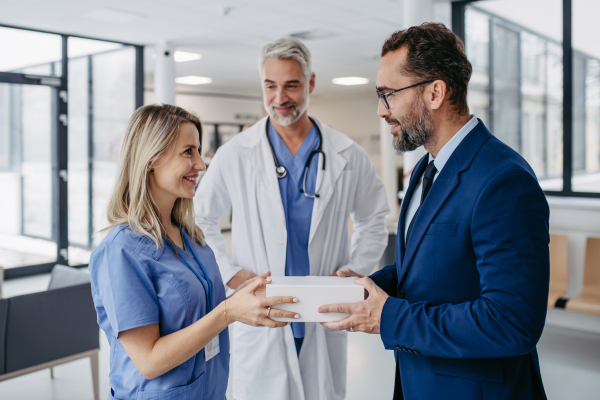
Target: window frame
59	151
458	27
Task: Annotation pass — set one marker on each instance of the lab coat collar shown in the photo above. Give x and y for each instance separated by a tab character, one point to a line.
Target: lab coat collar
260	156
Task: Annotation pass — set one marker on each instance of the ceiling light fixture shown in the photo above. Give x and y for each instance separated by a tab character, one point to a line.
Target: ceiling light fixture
183	56
193	80
350	81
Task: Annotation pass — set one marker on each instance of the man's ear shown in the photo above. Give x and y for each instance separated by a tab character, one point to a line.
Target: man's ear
436	94
311	83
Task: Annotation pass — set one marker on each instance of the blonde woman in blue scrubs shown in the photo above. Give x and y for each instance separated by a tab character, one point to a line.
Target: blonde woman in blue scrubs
155	283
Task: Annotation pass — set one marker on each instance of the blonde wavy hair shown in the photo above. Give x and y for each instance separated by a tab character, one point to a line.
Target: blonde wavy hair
151	131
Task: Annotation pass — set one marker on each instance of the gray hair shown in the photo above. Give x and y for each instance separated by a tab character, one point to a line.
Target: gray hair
286	48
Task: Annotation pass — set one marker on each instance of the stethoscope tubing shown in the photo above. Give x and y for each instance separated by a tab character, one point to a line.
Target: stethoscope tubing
281	171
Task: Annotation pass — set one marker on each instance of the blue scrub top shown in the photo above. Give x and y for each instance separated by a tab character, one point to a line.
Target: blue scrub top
298	208
133	285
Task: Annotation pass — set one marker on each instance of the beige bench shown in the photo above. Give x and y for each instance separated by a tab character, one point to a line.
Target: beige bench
589	299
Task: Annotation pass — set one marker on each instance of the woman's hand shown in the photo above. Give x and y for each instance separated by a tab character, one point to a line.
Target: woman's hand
249	305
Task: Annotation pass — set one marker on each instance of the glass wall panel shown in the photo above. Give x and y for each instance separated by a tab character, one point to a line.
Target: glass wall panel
586	96
506	88
78	164
113	103
102	94
35	103
477	39
26	129
533	99
516	87
29	52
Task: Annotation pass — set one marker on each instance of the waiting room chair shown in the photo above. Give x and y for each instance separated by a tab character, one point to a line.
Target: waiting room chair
45	329
589	299
559	268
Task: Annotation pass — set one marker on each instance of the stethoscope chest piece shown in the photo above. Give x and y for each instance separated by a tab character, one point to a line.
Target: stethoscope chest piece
281	171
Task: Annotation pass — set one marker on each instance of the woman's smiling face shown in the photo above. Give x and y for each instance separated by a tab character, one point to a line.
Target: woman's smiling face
177	172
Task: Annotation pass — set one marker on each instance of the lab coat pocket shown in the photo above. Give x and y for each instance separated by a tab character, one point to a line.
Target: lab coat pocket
194	390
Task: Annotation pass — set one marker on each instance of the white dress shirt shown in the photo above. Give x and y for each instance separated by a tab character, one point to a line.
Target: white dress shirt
439	162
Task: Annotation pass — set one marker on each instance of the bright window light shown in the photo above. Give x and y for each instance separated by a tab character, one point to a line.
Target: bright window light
183	56
193	80
350	80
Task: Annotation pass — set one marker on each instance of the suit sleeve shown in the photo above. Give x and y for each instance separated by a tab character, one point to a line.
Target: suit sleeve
210	204
368	213
387	279
509	231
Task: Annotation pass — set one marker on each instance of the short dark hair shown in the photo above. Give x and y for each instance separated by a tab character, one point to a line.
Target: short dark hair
435	52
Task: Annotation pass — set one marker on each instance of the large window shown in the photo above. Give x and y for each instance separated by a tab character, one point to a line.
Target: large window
521	60
64	104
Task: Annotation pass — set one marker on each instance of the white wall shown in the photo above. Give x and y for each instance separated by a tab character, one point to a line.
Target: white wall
357	118
215	109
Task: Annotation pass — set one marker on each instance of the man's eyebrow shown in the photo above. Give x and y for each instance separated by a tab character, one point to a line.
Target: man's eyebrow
382	88
293	81
268	81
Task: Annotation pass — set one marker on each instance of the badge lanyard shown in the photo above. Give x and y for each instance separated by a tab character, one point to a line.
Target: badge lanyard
212	348
208	290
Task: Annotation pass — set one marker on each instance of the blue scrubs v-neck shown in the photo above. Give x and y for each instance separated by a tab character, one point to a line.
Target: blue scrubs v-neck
297	207
135	284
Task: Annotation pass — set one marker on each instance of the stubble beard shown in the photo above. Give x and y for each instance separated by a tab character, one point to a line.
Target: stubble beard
299	110
416	128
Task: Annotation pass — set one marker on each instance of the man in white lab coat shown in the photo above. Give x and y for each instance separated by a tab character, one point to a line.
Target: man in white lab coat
292	182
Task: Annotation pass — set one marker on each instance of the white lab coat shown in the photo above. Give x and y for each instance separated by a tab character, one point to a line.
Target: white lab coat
264	361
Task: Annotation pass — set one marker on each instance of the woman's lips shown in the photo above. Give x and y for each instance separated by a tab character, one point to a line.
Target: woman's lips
192	179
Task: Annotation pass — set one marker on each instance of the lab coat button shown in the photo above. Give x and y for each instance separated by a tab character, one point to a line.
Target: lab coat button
401	294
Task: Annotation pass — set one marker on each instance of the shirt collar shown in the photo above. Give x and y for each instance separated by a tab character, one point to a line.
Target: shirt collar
446	151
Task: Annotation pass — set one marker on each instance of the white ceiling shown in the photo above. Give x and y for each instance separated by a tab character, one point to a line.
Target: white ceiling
229	34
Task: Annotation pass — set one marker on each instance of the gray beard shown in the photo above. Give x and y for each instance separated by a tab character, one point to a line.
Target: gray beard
298	112
416	129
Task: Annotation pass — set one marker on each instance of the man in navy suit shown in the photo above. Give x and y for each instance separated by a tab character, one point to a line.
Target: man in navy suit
465	302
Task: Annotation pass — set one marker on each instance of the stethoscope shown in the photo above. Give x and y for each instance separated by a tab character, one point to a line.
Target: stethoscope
281	171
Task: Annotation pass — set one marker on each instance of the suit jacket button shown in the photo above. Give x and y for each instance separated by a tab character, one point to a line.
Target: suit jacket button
401	294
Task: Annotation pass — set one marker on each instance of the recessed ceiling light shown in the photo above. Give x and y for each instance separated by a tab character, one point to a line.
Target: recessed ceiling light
193	80
183	56
350	80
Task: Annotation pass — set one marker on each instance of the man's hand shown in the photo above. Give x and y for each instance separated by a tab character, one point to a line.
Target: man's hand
365	316
242	276
346	272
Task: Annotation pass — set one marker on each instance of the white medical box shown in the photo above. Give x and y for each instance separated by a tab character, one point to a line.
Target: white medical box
312	292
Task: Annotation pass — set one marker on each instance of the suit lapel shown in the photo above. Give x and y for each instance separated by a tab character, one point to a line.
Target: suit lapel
442	189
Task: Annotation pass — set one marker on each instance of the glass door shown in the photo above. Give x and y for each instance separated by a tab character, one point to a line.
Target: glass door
26	170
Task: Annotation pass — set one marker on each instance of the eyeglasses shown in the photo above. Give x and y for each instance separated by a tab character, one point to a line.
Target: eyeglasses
383	96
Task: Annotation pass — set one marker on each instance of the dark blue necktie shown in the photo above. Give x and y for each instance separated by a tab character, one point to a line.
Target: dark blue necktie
427	182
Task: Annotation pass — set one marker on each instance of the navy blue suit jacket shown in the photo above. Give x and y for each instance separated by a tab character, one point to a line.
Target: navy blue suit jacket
469	292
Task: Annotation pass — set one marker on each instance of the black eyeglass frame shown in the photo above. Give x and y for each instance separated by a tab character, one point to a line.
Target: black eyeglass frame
383	96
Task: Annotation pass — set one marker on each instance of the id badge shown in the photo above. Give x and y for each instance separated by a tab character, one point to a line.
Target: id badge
212	348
